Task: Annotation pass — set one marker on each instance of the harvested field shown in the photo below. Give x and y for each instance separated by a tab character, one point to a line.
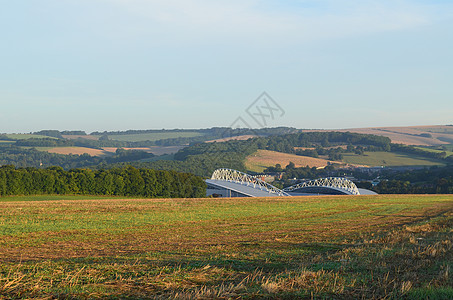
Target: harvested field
152	136
156	150
341	247
440	135
447	129
399	138
262	159
78	151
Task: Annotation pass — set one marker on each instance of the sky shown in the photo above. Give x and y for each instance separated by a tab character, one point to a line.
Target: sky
98	65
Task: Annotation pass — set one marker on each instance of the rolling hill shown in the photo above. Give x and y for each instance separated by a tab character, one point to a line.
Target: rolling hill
262	159
410	135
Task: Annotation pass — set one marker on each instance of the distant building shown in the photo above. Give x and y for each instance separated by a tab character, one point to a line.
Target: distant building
232	183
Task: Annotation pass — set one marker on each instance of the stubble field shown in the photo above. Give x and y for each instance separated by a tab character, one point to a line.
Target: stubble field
262	159
323	247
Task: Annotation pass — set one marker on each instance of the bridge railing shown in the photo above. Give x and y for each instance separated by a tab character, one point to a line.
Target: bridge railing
246	179
332	182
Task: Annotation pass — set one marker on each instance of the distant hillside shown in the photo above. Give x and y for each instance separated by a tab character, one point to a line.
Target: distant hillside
263	159
390	159
410	135
228	147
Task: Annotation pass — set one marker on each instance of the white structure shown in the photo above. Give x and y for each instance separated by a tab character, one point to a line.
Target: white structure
241	184
342	185
232	183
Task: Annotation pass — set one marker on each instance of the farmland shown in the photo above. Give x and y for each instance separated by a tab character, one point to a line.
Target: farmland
389	159
262	159
447	153
75	150
411	135
24	136
153	136
333	246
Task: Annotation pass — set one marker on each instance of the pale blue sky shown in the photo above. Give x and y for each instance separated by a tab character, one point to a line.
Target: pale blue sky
143	64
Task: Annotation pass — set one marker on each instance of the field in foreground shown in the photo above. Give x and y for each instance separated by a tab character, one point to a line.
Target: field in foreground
323	247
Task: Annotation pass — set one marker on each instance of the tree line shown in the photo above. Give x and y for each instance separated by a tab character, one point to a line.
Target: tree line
127	181
426	153
23	157
434	180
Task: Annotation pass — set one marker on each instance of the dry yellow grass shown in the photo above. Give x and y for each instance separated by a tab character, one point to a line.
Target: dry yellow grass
156	150
262	159
78	151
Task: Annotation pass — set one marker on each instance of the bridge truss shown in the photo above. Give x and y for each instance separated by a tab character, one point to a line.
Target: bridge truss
247	180
331	182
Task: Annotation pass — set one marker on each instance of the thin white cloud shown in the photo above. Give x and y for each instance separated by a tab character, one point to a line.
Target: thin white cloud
257	20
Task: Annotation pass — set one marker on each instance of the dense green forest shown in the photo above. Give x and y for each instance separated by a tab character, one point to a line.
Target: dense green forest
127	181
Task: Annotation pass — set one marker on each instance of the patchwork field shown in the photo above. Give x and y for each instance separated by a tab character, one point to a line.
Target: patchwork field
24	136
389	159
152	136
262	159
75	150
300	247
156	150
410	135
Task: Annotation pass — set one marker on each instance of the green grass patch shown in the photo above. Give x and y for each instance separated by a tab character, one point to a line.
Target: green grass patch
435	150
390	159
431	293
449	147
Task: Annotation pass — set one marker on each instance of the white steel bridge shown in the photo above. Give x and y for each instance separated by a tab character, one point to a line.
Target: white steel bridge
233	183
341	185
